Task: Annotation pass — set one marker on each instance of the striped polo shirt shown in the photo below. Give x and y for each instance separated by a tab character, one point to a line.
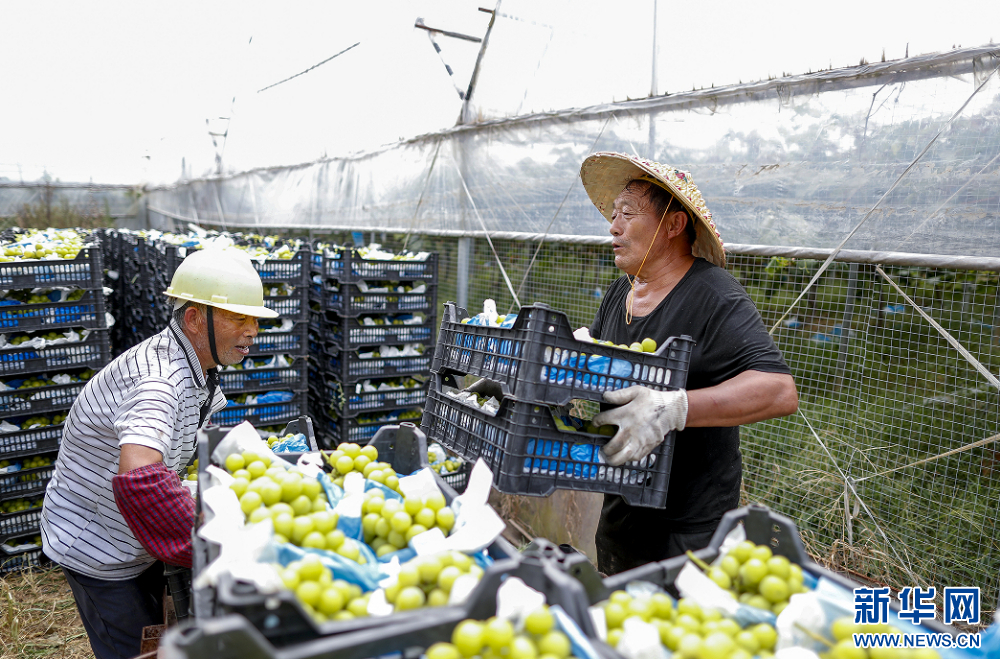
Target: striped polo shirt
150	395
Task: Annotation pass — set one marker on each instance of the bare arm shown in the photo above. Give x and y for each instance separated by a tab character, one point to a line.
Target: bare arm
750	396
134	456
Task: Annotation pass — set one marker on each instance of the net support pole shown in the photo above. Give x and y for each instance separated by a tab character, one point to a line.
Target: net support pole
845	325
465	246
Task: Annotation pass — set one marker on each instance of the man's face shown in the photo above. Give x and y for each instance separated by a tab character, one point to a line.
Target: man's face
234	334
633	225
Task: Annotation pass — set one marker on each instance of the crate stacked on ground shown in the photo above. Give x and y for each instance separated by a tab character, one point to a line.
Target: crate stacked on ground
53	337
522	428
139	303
371	327
269	388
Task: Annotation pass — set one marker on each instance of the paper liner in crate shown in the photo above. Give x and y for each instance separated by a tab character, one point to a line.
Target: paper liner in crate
245	547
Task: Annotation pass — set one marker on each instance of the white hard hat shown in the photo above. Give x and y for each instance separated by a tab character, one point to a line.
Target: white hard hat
221	278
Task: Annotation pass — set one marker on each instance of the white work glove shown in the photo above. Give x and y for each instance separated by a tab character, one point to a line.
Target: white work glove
644	419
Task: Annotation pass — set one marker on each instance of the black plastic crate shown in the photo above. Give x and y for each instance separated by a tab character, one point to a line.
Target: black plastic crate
87	312
352	333
293	342
295	271
762	526
292	307
346	401
280	617
336	430
21	560
21	522
529	455
407	634
294	378
26	482
30	442
36	400
538	360
85	271
262	414
348	365
459	479
93	352
347	299
346	265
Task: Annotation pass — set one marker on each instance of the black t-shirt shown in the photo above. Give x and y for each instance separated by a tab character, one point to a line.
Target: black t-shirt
711	307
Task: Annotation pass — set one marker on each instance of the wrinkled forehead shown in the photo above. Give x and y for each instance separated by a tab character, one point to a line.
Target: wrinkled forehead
635	193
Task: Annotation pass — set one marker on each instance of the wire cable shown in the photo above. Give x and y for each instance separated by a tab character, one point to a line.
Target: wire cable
948	337
310	68
503	271
913	163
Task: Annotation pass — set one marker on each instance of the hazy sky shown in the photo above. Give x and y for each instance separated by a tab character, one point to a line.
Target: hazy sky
120	92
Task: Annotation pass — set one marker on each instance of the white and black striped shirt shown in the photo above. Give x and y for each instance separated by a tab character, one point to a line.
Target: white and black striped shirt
150	395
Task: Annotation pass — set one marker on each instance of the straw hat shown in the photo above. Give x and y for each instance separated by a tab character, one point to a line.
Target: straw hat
605	175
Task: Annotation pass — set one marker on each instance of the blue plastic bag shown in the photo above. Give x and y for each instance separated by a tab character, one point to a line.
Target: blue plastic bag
366	576
275	397
294	444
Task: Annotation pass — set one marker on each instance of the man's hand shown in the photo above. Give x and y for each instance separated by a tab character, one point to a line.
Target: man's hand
644	419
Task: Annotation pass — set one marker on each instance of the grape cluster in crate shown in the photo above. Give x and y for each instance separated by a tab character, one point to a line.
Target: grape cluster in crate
54	334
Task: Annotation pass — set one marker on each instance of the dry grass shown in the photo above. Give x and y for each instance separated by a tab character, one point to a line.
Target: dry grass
38	618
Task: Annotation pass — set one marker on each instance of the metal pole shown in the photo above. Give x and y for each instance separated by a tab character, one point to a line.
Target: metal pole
465	246
845	328
651	151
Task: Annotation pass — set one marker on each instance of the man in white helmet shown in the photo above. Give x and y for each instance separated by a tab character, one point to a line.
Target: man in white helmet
115	510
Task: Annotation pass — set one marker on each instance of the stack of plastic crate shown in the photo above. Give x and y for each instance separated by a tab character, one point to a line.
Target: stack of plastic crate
53	337
134	291
532	439
269	388
371	328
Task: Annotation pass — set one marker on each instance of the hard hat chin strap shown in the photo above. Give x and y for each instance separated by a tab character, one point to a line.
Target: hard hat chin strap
211	337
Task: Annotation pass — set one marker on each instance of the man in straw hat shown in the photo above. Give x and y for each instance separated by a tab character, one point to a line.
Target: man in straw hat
665	242
115	510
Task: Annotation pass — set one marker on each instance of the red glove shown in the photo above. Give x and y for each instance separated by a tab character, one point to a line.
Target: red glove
159	510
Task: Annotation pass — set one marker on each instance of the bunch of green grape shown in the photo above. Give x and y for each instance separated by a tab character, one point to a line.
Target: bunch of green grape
37	381
428	580
66	244
18	505
274	439
646	345
688	630
389	524
758	577
496	637
350	457
43	421
192	471
449	466
296	504
36	462
322	596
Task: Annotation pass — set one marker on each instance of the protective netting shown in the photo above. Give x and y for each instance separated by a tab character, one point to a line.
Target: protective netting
881	388
797	161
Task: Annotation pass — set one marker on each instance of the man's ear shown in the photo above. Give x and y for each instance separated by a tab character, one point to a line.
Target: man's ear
192	317
676	223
